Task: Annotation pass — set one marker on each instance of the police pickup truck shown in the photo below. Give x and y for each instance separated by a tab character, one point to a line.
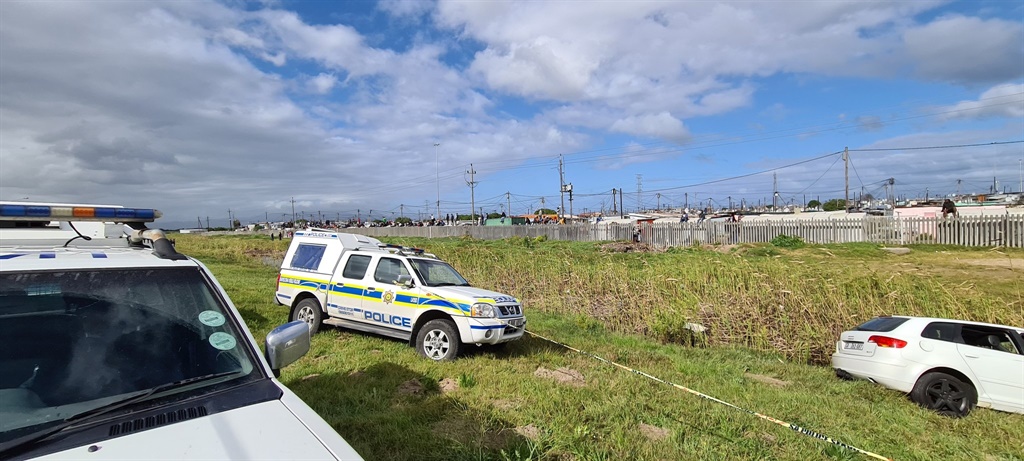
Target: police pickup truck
115	346
357	282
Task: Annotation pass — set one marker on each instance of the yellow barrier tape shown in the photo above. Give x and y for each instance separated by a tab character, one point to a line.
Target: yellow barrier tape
792	426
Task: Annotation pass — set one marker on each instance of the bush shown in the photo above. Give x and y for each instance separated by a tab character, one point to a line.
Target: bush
787	241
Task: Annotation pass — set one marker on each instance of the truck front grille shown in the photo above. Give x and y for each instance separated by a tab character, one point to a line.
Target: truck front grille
514	309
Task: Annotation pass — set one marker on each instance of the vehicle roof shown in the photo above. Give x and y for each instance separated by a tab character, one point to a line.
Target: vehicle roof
968	322
34	258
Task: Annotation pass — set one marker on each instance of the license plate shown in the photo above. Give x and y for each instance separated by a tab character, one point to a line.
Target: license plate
517	323
853	346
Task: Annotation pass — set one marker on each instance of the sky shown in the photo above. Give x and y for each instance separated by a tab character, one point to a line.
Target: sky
206	109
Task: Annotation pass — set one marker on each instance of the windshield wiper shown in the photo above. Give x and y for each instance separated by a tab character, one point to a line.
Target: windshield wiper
445	284
104	409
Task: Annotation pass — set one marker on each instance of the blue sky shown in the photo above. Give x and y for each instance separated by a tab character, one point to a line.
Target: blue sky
201	107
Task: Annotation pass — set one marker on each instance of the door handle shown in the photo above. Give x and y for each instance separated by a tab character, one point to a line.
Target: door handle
971	356
371	289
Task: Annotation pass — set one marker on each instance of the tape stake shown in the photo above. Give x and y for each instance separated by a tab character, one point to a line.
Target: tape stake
782	423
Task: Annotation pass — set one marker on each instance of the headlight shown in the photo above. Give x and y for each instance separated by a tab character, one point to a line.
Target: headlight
482	310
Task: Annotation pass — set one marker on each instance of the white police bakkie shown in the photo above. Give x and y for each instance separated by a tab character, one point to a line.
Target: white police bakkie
357	282
115	346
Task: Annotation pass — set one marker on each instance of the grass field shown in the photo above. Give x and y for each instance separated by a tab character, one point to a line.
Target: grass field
772	312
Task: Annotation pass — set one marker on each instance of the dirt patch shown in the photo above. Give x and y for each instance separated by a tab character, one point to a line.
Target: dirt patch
653	432
411	387
759	435
767	380
627	247
529	431
309	377
468	433
725	248
448	385
563	375
505	405
1009	263
256	253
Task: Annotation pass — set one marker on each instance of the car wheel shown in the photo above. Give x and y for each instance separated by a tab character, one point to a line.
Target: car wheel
438	340
308	310
945	394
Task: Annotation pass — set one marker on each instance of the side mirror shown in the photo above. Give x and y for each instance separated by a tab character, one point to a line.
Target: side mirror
286	344
404	280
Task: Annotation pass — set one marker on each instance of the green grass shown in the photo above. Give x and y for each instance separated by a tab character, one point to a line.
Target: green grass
389	403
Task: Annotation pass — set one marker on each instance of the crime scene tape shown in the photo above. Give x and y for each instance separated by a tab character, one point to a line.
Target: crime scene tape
792	426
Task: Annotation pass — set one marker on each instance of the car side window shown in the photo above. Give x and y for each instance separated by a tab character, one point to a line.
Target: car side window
388	270
988	338
356	266
942	331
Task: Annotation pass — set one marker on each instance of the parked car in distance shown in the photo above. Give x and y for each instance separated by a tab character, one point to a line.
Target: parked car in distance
945	365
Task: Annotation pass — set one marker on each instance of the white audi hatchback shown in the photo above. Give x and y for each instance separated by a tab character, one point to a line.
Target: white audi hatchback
945	365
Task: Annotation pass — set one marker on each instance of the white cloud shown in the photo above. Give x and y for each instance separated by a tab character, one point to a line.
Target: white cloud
661	125
967	50
405	8
323	83
1005	100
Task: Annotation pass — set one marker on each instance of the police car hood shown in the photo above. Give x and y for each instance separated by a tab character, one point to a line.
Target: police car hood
470	295
268	430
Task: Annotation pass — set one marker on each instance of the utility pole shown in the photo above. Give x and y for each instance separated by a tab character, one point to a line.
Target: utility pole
231	224
639	191
659	200
293	211
472	197
438	179
508	201
570	199
207	223
401	208
621	210
200	221
561	186
614	211
775	191
730	201
541	204
846	175
686	196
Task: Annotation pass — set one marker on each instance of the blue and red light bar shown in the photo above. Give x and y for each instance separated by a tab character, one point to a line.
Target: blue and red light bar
32	212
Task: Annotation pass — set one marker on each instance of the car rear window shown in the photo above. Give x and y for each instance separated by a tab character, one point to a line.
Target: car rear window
882	324
308	257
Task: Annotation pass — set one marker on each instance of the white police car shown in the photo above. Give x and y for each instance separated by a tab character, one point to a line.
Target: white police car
354	281
115	346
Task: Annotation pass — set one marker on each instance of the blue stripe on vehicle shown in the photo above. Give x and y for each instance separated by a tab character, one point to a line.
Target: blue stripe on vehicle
492	327
47	255
99	255
279	295
11	256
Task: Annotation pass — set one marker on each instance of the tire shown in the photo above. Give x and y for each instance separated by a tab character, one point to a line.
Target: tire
438	340
945	394
308	310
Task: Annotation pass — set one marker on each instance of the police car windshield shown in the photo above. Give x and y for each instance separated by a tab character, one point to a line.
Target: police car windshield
435	273
78	340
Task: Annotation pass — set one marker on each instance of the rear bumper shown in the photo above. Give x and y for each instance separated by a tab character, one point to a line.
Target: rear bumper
893	374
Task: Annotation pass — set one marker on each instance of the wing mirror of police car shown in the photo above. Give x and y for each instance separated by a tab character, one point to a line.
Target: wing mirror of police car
286	344
404	280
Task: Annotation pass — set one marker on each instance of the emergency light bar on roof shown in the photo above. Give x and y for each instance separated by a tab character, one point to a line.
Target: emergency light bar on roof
28	212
